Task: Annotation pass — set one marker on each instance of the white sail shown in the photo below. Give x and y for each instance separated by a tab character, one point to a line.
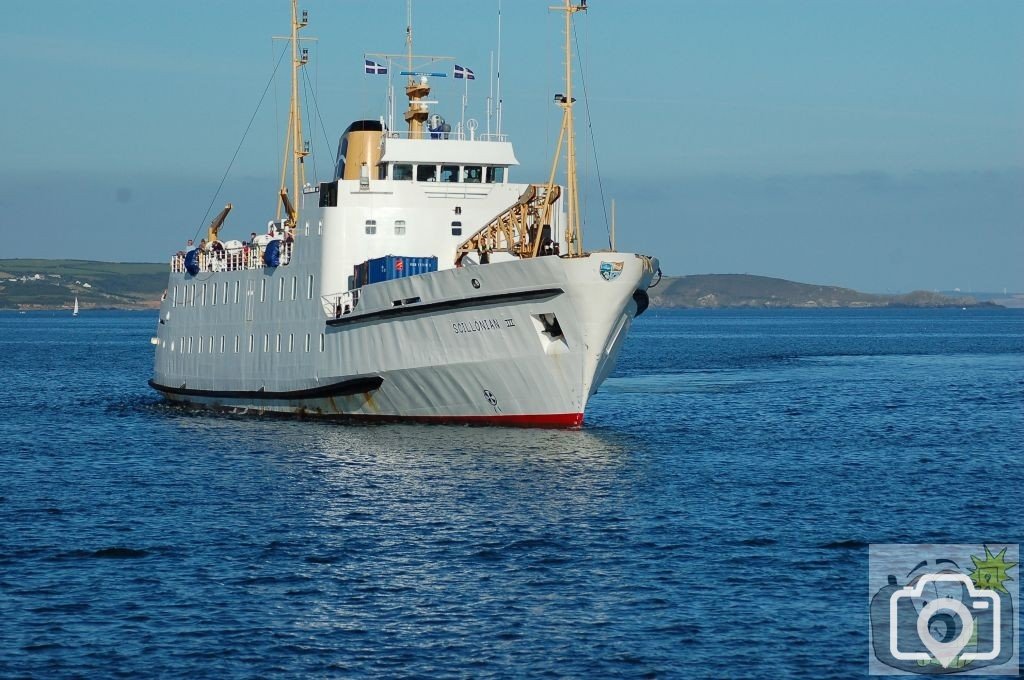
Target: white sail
75	312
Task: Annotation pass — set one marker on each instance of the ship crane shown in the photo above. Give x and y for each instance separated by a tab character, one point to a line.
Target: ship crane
524	228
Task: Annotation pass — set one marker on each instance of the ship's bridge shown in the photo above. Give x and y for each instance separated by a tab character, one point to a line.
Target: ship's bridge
367	149
446	160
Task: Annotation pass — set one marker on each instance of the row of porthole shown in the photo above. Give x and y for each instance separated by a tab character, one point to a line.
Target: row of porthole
186	344
187	297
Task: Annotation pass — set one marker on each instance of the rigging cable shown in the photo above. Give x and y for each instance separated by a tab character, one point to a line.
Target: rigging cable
306	87
239	147
593	141
316	106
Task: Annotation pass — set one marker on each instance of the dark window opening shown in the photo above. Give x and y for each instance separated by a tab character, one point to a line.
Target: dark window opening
329	194
449	173
401	172
426	173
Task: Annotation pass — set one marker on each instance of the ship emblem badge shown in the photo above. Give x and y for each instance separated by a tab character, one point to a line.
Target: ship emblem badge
611	270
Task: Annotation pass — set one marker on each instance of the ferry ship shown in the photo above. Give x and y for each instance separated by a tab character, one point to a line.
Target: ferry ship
419	282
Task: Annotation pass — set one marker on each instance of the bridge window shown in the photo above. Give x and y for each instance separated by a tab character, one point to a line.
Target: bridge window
401	172
399	227
449	173
456	228
371	226
426	173
473	174
495	175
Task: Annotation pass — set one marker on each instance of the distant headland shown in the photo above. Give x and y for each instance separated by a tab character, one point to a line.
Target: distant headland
745	290
27	284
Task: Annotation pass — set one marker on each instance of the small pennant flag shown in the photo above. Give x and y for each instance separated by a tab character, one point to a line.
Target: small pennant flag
375	68
463	72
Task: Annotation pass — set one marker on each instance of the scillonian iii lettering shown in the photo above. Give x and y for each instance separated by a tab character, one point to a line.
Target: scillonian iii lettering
476	326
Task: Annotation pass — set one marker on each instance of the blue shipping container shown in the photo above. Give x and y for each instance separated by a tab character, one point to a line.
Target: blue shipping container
392	267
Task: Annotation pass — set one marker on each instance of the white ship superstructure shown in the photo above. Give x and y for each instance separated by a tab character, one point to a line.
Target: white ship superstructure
420	282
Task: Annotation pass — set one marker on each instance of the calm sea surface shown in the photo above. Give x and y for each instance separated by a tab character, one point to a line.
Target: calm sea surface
711	520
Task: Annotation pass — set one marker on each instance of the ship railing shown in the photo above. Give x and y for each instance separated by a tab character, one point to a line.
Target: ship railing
459	132
338	305
241	259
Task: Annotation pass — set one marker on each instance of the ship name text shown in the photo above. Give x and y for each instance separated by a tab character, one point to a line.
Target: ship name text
477	325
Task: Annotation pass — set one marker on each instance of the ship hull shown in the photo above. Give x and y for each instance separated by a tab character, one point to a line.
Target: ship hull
518	343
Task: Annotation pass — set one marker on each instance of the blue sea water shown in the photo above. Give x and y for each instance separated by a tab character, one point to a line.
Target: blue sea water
711	520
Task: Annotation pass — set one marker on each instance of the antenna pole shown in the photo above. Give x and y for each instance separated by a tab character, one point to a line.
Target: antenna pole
408	35
465	100
498	93
611	241
490	92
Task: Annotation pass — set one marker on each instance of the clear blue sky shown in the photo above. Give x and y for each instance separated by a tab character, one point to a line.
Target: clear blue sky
866	143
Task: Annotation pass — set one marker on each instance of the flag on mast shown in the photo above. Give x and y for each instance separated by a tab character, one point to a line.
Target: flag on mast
463	72
375	68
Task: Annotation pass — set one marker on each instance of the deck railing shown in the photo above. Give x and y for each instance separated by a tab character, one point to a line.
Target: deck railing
223	260
340	304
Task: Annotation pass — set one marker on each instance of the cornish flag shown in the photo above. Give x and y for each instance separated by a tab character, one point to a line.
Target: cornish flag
375	68
463	72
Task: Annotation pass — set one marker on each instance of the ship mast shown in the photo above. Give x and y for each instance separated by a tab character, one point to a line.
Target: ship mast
295	149
416	91
573	228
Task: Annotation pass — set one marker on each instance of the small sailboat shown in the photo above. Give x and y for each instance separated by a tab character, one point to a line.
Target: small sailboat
75	312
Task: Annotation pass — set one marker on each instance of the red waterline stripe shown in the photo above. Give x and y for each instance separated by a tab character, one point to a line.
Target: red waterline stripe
551	420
